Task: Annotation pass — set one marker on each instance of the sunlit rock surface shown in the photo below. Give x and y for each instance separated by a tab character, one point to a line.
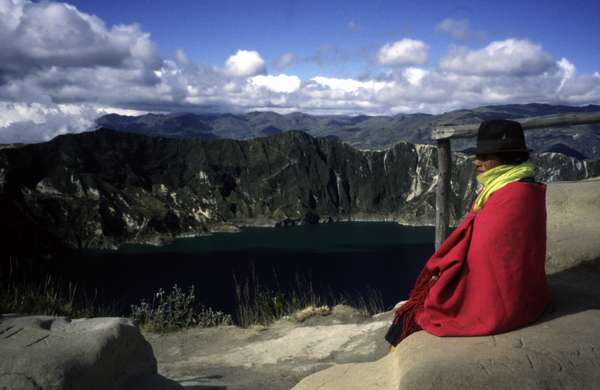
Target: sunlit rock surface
54	353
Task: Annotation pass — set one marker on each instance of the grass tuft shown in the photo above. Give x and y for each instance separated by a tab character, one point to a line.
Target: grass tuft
50	296
175	310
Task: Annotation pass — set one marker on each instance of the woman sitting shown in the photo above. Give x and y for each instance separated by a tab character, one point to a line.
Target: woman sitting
488	276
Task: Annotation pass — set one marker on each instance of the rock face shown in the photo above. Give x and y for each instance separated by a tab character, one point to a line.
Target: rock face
102	189
42	352
560	351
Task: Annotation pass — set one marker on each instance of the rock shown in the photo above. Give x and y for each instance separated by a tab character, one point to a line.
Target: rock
573	223
311	218
43	352
370	375
270	357
560	351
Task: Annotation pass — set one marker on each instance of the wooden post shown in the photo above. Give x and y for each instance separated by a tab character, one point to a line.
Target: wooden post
442	199
442	135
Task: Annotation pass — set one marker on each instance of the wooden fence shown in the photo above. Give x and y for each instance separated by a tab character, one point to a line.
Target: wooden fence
442	135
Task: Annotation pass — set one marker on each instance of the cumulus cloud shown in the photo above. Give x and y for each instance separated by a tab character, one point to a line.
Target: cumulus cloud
568	71
281	83
583	89
27	123
405	51
414	75
509	57
350	85
34	36
245	63
61	68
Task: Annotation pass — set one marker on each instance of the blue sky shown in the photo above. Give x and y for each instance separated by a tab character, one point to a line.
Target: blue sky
64	63
209	31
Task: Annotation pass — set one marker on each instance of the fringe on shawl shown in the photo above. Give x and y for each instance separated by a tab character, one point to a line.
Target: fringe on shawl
405	314
404	323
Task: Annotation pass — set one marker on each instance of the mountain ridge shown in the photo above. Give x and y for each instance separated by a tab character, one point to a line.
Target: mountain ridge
105	188
363	131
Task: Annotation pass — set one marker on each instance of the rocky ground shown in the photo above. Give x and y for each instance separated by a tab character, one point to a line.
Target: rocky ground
269	357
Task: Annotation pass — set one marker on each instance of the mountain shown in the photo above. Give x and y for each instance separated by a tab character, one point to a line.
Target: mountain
564	149
363	132
104	188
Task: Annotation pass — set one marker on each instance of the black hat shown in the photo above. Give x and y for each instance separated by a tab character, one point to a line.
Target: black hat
500	135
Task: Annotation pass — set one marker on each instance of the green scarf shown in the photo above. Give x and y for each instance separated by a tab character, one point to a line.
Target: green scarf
498	177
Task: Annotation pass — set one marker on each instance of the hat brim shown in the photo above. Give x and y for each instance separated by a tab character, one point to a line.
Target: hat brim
481	150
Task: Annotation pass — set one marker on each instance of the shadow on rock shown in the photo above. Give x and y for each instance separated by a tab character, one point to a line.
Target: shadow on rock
573	291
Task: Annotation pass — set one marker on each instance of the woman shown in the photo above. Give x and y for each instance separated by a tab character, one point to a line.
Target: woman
488	276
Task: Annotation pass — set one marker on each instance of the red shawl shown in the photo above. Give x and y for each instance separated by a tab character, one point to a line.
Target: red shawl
488	276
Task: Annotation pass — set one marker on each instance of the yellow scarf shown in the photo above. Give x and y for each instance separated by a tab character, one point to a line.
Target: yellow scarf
498	177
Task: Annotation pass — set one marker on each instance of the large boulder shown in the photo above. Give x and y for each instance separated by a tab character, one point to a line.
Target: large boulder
559	351
43	352
573	223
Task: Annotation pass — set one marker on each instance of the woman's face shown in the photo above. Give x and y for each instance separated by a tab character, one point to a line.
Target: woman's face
485	162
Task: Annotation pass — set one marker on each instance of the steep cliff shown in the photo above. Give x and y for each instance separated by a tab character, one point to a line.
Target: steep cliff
104	188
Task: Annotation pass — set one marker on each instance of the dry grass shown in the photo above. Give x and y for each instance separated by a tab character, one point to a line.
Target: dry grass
257	304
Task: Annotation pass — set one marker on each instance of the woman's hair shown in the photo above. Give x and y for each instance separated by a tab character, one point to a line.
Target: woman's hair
513	158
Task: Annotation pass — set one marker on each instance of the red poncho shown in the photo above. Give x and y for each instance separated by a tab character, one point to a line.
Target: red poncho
488	276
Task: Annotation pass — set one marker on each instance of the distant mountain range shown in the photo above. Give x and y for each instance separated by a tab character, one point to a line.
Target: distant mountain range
365	132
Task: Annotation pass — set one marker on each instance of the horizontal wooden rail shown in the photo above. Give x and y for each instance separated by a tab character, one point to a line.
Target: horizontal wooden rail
536	122
442	136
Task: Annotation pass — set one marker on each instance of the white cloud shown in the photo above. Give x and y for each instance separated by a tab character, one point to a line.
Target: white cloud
456	28
285	60
245	63
509	57
350	85
568	71
414	75
34	36
49	88
405	51
281	83
26	123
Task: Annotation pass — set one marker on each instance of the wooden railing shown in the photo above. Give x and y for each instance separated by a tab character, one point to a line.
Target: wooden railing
442	135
